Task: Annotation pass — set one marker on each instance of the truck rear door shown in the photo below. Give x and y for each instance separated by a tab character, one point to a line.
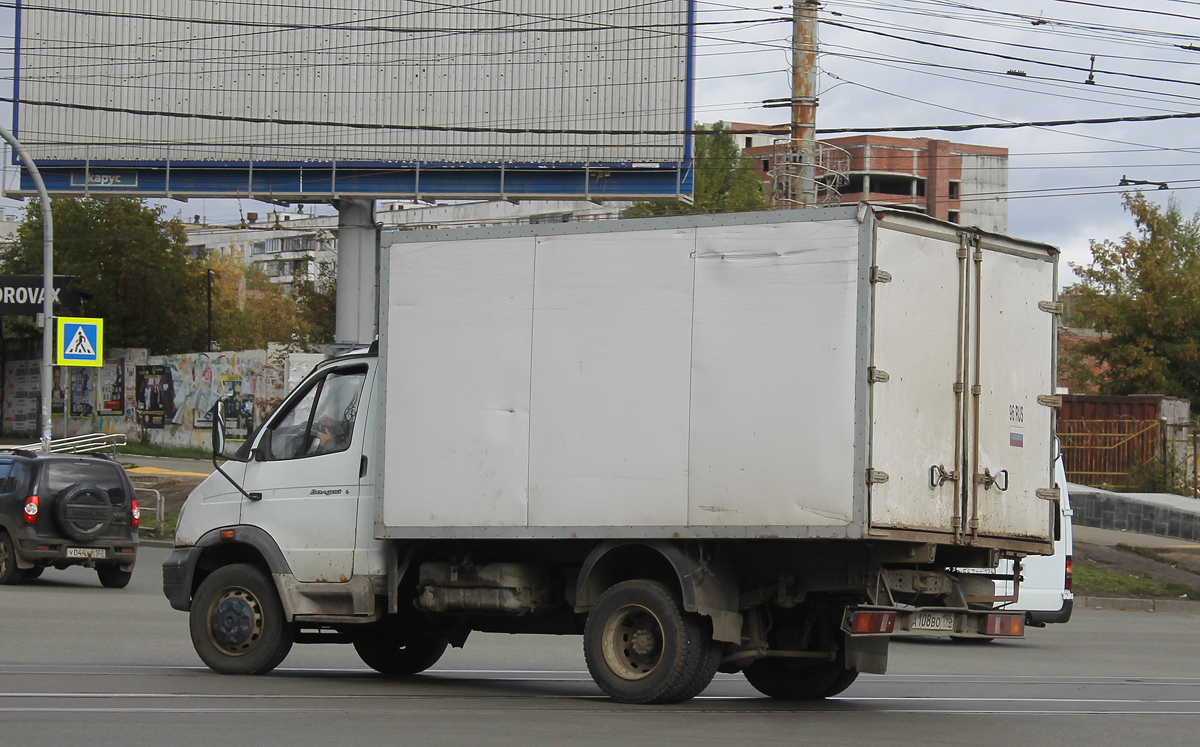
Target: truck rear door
963	363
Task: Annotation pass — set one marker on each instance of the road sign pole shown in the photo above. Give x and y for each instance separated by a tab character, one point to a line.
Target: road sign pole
47	281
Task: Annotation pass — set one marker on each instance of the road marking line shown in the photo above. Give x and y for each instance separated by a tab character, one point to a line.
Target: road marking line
124	712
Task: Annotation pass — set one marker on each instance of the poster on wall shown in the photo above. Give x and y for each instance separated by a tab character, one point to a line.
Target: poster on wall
202	414
155	396
58	394
22	397
111	388
82	393
237	408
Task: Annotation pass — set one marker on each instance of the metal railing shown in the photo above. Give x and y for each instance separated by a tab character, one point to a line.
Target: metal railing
81	444
159	511
1141	455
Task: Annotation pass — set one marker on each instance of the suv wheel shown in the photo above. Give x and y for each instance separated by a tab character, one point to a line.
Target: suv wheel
237	622
113	576
9	573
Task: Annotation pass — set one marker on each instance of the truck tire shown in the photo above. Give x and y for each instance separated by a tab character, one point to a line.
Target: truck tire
642	647
795	679
112	576
9	573
237	622
400	656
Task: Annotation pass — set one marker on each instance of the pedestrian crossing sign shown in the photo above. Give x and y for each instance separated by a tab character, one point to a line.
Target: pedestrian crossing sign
80	341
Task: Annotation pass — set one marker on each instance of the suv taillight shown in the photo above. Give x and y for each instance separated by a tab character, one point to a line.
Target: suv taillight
31	509
137	515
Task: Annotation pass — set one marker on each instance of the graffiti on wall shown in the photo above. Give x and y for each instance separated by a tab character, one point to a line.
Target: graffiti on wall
162	399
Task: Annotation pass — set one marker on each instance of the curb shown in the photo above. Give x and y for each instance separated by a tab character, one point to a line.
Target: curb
148	542
1136	604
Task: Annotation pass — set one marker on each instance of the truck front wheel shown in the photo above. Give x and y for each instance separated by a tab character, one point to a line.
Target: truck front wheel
400	656
237	622
796	679
642	647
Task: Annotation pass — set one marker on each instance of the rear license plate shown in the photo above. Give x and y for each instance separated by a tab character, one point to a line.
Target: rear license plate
933	621
87	552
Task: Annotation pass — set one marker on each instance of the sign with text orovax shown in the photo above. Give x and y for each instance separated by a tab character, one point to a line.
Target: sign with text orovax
22	295
80	341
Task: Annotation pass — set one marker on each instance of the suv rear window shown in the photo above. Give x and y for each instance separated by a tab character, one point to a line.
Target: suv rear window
62	474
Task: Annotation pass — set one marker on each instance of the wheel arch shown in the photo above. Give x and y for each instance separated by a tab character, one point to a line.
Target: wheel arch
247	544
706	583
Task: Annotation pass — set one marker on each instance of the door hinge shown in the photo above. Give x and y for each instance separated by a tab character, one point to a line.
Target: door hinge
880	276
1050	400
876	477
877	375
1047	494
1050	307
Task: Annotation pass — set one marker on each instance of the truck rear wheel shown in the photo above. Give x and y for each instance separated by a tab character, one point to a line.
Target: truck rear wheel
796	679
237	622
400	656
642	647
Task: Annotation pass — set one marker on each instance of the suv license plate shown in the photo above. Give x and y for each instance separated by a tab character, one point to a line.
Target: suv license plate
87	552
933	621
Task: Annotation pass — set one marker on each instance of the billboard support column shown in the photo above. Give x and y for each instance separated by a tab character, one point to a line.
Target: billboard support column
47	281
357	272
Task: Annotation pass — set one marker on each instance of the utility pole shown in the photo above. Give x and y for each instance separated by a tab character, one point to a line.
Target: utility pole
208	343
804	102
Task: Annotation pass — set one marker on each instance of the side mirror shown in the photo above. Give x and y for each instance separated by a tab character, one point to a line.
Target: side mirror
218	430
218	448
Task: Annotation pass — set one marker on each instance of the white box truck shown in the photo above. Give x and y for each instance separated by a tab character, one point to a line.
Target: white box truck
754	443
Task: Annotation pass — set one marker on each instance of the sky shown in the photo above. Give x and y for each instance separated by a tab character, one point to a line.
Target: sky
879	67
932	63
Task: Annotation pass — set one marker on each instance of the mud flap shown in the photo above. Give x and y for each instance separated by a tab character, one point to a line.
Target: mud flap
867	653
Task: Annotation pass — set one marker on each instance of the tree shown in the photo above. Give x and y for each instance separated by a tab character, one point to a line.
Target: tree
249	310
725	182
316	297
1142	294
131	265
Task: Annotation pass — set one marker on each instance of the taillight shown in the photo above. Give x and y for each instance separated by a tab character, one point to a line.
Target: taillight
1006	625
1067	584
137	515
31	509
872	621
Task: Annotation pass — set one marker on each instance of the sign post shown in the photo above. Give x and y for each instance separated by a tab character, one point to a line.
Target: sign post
47	277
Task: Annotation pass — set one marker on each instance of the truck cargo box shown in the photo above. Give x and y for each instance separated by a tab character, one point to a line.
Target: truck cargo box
837	373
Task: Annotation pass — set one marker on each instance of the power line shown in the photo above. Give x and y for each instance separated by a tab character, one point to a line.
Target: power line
1015	125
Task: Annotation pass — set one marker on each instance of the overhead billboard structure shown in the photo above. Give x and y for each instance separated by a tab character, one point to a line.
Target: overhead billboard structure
313	99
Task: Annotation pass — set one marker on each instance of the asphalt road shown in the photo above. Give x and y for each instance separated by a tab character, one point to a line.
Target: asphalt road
84	665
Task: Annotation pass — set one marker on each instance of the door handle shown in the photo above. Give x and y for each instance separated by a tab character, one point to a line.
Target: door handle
938	476
987	479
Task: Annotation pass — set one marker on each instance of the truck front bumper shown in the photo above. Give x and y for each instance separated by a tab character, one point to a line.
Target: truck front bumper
178	569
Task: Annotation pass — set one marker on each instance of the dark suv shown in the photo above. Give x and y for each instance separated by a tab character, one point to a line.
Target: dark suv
58	510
